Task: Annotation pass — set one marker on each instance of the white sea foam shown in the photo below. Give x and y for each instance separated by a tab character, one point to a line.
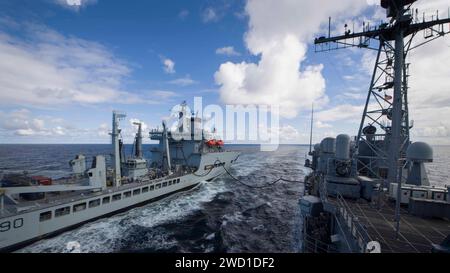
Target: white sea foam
104	235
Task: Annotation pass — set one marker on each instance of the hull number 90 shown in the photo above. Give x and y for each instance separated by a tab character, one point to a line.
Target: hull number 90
7	225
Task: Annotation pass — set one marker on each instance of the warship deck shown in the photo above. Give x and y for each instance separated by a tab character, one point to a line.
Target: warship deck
416	234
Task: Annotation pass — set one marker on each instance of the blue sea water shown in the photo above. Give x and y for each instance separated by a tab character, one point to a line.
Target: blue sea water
217	216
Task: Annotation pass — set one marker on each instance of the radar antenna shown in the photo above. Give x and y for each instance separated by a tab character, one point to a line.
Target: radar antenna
384	153
386	106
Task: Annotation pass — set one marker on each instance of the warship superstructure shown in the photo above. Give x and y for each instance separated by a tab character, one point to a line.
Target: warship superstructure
33	207
371	193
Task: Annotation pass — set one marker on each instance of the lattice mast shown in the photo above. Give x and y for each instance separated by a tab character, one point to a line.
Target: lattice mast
386	106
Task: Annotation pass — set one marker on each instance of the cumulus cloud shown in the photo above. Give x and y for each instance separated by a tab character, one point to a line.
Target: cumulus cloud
24	126
162	94
22	122
344	112
286	133
279	32
184	81
45	68
75	4
320	124
168	65
103	130
144	125
227	50
210	15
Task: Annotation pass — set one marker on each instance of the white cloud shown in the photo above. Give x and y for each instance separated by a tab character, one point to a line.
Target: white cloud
22	122
25	132
24	126
227	50
75	4
162	95
320	124
103	130
45	68
288	133
344	112
144	126
354	96
281	43
169	65
185	81
210	15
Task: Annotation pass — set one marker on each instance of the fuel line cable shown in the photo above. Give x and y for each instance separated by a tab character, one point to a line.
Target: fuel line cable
268	184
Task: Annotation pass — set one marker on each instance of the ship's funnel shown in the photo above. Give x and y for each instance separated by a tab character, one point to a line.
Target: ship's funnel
138	141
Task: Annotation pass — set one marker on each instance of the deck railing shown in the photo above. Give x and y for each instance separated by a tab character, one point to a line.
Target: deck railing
345	217
354	226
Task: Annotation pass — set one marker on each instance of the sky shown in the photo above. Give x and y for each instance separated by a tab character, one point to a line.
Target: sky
66	64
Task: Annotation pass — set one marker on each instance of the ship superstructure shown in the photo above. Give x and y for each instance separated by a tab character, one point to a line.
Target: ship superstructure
371	193
33	207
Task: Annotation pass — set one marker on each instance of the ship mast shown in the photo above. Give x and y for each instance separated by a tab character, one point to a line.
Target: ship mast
166	147
138	141
117	116
386	151
311	129
387	112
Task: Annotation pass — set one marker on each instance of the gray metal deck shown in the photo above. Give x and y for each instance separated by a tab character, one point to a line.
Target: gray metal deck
416	234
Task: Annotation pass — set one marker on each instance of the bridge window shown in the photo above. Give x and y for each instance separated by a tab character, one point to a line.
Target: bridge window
45	216
106	200
94	203
127	194
178	180
79	207
117	197
165	184
144	189
62	211
137	191
152	187
158	186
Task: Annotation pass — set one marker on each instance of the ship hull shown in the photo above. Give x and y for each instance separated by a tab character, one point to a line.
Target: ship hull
27	227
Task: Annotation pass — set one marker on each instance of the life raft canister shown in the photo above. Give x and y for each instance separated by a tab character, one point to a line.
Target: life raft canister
211	142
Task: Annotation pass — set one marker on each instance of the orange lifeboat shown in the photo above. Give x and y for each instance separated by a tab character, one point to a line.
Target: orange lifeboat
219	142
211	142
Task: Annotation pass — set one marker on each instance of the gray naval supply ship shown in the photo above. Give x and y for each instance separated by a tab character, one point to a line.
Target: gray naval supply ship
33	207
371	193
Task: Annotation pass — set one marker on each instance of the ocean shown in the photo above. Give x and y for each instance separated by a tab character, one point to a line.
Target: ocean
218	216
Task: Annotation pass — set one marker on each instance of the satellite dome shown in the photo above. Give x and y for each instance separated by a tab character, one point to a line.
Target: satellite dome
328	145
317	147
419	151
